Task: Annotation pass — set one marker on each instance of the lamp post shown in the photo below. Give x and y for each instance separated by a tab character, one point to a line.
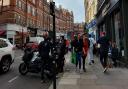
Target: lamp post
52	13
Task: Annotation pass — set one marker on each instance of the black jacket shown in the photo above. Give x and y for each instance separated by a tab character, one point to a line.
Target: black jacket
104	44
78	45
115	53
44	48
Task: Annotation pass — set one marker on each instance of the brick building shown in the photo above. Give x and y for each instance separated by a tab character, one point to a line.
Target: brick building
20	19
78	27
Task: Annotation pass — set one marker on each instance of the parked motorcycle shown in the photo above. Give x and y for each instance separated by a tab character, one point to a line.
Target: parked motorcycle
32	63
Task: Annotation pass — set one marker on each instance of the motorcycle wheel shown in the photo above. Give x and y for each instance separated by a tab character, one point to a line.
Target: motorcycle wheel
23	69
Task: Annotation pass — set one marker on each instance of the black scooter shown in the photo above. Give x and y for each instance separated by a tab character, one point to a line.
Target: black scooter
32	63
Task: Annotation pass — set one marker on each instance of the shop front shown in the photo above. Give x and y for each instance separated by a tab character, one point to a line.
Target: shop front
13	32
110	20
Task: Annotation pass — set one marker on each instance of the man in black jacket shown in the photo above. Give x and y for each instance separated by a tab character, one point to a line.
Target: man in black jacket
61	55
104	47
44	49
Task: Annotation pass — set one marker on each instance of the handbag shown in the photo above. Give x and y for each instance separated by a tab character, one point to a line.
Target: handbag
73	57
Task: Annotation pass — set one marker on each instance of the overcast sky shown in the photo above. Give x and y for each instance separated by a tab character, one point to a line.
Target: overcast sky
77	6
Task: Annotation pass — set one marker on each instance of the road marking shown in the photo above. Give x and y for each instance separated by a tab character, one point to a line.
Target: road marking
11	80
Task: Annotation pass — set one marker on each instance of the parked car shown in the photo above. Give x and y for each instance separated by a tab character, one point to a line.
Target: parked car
6	55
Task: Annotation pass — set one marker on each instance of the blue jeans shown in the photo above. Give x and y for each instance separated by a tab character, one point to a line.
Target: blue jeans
78	59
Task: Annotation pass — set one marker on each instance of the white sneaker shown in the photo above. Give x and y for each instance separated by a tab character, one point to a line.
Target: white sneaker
105	69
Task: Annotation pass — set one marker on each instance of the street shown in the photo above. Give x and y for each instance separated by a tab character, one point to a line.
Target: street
13	79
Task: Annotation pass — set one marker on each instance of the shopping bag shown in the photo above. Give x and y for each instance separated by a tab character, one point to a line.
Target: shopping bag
73	57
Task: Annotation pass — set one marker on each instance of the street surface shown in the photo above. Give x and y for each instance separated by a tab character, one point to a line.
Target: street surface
13	79
94	78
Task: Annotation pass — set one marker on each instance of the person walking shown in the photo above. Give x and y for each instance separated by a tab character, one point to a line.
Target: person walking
103	43
61	58
44	50
114	54
90	51
86	44
78	46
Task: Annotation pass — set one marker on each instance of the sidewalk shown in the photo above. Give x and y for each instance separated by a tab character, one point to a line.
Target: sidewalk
93	78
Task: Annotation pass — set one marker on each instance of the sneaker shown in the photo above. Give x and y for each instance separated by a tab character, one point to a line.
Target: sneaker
105	69
84	70
93	61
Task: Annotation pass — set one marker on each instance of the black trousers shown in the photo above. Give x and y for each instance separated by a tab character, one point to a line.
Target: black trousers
84	58
103	59
43	64
42	70
115	62
60	64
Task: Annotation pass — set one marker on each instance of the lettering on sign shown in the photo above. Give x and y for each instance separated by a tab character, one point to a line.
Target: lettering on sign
104	12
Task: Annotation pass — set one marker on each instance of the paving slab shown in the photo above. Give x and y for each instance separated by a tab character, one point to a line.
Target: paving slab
68	82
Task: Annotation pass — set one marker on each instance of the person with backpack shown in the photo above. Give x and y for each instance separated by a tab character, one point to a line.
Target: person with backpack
90	51
86	44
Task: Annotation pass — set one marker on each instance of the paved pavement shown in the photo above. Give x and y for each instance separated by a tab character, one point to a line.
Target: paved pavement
94	78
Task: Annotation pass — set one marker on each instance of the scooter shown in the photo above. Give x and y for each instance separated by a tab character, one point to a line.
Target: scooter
32	63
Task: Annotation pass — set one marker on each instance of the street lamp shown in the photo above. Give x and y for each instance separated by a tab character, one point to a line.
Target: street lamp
52	13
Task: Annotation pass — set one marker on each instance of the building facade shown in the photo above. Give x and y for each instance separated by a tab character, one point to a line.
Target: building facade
78	28
91	10
112	17
24	18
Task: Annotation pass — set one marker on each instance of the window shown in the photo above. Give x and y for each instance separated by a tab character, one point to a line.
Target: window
19	4
23	7
28	9
33	12
3	44
33	1
31	9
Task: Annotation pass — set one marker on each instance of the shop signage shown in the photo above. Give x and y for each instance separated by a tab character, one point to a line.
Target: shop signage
105	10
91	24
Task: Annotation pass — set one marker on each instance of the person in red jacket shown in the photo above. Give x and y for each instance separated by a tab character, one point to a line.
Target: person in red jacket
86	44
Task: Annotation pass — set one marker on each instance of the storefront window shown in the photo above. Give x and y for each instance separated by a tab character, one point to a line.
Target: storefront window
119	33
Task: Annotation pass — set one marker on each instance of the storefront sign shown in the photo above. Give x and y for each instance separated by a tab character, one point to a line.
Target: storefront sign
105	10
91	24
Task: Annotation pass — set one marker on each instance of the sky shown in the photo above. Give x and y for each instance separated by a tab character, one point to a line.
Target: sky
77	6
